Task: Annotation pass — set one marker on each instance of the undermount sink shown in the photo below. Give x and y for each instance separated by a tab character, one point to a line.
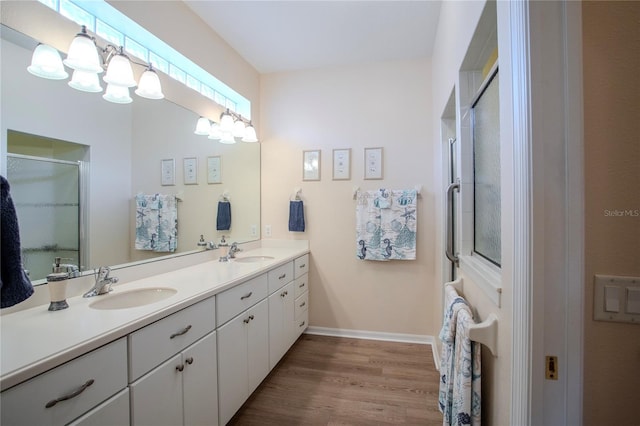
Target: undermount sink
132	298
253	259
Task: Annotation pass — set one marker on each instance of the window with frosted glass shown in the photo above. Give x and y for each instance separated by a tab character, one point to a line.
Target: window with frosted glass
77	14
486	171
109	33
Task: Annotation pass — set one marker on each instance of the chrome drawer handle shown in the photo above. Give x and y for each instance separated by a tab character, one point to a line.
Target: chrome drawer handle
282	276
181	332
246	296
303	303
71	395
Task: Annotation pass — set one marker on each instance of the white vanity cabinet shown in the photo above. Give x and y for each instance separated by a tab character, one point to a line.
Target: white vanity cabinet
243	344
281	311
301	289
181	391
114	411
173	374
70	390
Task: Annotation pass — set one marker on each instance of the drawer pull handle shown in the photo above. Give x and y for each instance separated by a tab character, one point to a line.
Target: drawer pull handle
282	276
189	360
301	285
302	324
303	265
246	296
302	304
181	332
180	367
71	395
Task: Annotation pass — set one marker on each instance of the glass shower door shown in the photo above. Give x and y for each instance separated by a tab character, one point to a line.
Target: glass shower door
46	194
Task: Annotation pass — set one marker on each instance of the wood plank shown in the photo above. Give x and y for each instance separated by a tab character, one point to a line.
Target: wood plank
325	380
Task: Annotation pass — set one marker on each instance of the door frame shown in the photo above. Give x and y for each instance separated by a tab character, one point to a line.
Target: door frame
535	285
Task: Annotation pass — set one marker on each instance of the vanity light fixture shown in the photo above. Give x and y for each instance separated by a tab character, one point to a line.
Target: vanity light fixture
232	127
88	59
46	63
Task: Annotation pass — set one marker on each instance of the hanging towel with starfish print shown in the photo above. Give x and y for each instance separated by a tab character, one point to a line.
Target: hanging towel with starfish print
386	224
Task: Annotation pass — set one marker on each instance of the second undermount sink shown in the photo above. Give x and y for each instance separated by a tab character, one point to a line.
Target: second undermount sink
253	259
132	298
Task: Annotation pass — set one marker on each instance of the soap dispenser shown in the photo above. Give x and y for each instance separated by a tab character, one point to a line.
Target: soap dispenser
224	250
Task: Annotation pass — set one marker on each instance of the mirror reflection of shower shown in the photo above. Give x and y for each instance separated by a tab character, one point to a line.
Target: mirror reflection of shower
48	179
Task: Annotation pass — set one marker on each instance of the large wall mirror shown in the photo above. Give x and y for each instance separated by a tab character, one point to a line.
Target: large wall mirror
121	149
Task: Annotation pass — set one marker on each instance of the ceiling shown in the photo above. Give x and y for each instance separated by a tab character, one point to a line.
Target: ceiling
278	36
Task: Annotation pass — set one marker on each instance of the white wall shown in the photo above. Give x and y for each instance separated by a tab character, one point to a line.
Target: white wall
379	105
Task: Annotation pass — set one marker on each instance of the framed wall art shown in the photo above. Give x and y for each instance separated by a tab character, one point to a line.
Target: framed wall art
214	170
168	172
311	165
342	164
190	171
373	163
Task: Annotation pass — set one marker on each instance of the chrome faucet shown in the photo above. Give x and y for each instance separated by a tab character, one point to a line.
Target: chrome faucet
103	282
233	250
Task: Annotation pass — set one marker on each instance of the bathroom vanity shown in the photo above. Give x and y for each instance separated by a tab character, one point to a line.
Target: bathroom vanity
192	357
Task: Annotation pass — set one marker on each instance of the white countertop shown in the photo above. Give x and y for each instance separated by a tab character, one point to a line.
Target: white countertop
35	340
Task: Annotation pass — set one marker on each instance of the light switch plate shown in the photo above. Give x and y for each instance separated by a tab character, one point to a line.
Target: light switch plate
616	299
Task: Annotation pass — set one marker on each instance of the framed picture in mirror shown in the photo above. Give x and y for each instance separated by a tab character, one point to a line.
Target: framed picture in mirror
168	172
311	165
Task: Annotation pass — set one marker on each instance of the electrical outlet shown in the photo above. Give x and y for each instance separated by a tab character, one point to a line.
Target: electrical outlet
551	367
254	230
267	230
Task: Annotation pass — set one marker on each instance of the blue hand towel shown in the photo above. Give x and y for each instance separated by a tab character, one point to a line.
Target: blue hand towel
223	222
296	216
15	286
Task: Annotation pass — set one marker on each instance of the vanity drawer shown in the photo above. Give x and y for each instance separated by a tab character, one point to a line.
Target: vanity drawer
301	324
280	276
85	382
301	304
235	300
301	285
155	343
301	265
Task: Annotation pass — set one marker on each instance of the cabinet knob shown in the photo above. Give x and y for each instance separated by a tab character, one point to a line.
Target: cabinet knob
246	320
189	360
71	395
284	294
180	367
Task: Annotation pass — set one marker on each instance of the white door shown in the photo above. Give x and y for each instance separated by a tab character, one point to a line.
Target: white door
233	376
200	382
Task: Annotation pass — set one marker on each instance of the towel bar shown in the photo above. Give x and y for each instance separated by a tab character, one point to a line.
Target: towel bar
356	189
485	332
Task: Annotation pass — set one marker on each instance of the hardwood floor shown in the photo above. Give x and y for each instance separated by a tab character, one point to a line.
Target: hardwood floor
339	381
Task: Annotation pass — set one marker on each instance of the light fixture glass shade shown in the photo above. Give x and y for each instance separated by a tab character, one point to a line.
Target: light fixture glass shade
117	94
119	71
226	122
250	134
83	54
238	128
85	81
203	126
46	63
227	137
149	85
215	133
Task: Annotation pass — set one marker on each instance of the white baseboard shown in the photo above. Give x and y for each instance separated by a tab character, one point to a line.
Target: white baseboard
376	335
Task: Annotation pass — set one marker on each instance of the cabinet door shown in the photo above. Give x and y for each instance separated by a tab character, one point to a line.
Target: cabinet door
156	398
114	411
281	326
232	366
258	344
200	382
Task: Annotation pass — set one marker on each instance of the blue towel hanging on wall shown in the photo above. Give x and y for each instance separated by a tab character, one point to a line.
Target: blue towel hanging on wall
15	286
296	216
223	221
